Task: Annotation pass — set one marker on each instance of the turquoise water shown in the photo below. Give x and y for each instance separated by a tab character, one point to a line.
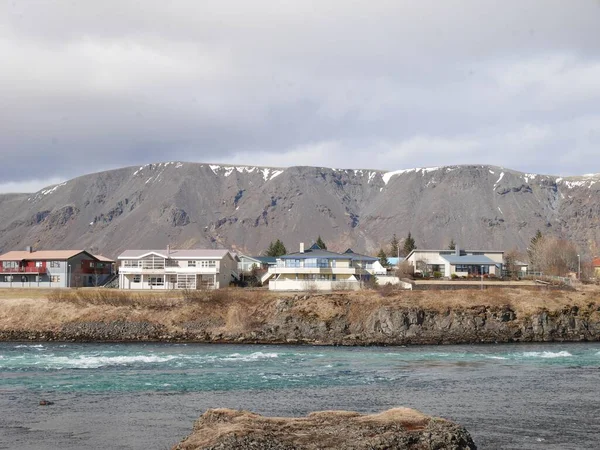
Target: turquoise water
181	368
148	395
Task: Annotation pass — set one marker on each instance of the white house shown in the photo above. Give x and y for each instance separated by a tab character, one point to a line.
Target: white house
177	269
458	262
319	269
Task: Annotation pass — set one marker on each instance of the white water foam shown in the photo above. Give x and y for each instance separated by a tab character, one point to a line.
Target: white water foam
29	346
94	362
495	357
251	357
562	354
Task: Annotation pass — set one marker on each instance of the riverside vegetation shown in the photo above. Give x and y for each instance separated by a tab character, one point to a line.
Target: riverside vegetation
371	317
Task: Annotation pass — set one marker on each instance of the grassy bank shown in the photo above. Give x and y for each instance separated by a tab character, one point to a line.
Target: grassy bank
232	315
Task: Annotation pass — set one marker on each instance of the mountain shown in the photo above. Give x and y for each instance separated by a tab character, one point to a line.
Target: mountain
244	208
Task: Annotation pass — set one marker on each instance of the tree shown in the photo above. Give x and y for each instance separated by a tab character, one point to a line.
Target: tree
554	256
533	249
394	246
452	245
383	258
409	244
321	244
276	249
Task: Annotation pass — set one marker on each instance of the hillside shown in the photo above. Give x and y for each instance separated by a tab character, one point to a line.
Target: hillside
244	208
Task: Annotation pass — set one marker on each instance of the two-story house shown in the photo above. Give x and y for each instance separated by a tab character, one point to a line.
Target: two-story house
319	269
53	269
177	269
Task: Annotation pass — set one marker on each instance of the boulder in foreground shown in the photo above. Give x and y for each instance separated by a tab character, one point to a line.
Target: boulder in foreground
401	428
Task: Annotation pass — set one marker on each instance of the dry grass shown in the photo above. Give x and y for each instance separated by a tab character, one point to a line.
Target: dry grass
238	310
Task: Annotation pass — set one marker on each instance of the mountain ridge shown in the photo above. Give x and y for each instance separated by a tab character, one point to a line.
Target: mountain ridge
244	207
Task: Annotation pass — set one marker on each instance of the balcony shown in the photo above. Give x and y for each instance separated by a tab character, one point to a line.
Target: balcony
25	270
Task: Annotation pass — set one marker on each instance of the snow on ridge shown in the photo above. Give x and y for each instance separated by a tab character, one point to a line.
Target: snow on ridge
499	179
388	175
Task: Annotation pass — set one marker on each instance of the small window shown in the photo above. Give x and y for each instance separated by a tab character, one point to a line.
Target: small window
137	278
191	263
38	264
156	281
92	265
55	279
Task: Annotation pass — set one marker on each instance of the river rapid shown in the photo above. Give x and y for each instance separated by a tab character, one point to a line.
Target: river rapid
147	396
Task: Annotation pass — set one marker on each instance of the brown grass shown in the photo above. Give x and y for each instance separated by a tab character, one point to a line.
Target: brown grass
239	310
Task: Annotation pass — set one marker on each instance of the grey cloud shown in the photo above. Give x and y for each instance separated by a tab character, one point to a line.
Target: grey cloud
384	84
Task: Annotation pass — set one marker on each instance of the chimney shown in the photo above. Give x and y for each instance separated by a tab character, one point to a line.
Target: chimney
301	247
168	250
457	251
29	249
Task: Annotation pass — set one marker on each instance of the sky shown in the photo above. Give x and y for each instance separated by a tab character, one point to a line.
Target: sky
91	86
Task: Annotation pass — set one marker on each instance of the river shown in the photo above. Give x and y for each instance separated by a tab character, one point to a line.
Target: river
146	396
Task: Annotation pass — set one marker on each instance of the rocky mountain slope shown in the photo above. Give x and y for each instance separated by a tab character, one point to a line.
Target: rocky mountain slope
244	208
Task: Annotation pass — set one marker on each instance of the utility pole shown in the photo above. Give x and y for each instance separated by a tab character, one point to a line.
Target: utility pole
482	277
579	267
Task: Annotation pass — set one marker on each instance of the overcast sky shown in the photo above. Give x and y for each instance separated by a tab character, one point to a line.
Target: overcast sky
88	86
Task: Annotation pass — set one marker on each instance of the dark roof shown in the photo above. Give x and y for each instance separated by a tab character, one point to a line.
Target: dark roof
358	256
315	252
470	259
265	259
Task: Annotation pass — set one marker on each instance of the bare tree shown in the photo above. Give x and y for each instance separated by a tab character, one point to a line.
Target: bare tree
554	256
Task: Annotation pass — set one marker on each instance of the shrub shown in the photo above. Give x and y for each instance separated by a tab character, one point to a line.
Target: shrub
454	276
387	290
437	274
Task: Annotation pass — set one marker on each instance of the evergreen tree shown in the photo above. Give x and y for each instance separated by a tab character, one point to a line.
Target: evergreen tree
276	249
321	244
409	244
394	246
532	250
383	258
452	245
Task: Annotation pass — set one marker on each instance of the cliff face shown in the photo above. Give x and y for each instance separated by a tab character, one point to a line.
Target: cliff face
402	428
342	319
201	205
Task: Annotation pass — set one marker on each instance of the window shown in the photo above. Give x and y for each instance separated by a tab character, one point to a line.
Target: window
55	279
54	264
292	263
156	281
137	278
38	264
191	263
10	264
208	263
91	264
322	263
8	278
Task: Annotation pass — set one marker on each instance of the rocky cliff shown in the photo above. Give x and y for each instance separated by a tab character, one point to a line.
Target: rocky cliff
402	428
201	205
509	315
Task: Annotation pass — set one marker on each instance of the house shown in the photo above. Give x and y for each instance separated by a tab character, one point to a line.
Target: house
177	269
456	262
319	269
53	269
247	263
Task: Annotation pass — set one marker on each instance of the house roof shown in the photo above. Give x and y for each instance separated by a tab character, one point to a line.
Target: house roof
265	259
316	252
469	259
445	250
199	253
41	255
103	258
359	257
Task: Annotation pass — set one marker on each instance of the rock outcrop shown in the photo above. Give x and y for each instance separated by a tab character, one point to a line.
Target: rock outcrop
402	428
450	317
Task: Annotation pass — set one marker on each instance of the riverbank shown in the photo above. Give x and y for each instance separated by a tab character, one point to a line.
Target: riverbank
354	318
